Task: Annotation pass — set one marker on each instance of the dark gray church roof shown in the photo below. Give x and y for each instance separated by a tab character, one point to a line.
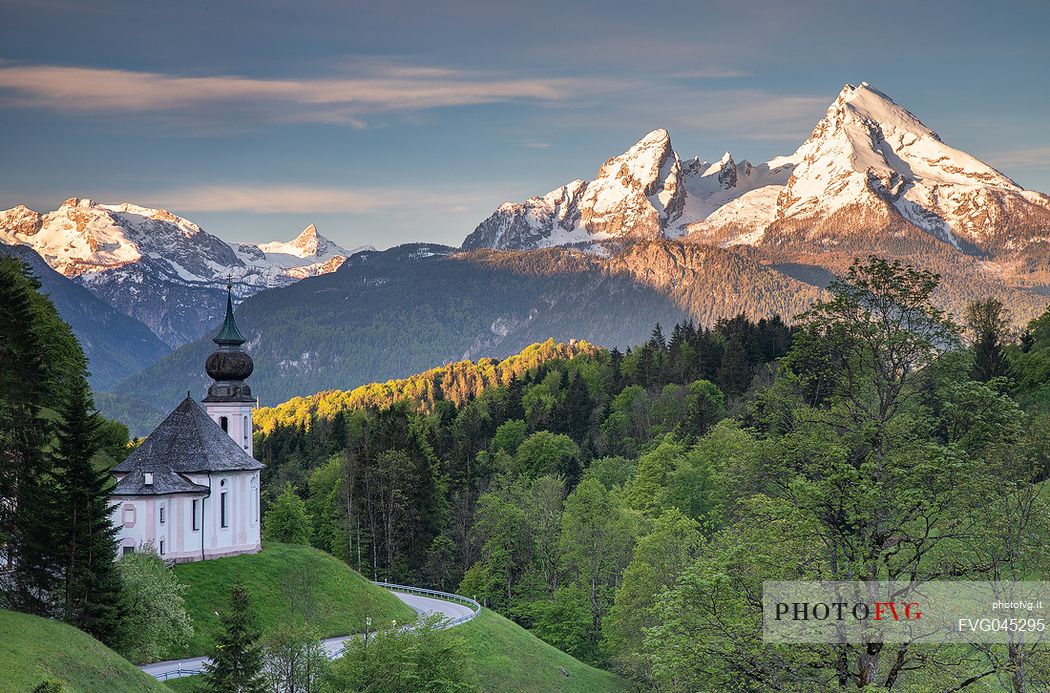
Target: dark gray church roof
188	441
164	482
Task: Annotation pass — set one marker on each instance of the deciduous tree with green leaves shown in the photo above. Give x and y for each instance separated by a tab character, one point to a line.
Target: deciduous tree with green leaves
152	606
286	519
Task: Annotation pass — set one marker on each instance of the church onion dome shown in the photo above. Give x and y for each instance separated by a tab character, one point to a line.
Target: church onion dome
229	363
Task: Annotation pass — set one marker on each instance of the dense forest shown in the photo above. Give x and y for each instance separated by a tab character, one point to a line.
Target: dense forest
626	507
623	506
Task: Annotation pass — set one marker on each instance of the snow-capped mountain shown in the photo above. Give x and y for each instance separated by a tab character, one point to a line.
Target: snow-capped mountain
868	165
158	267
646	192
875	161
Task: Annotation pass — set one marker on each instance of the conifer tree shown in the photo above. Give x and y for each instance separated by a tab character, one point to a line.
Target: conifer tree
237	661
25	522
574	411
1027	341
988	322
85	536
735	373
657	338
515	391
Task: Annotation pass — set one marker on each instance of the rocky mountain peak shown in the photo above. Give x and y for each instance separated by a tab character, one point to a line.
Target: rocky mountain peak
309	244
20	220
176	269
644	164
868	160
725	170
308	240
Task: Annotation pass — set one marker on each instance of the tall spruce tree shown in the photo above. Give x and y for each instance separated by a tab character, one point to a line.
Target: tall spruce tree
574	411
237	662
85	534
24	478
735	372
988	322
657	338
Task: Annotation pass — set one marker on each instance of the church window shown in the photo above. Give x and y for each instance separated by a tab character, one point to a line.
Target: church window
162	514
244	430
254	495
128	549
129	515
225	423
161	547
222	510
196	522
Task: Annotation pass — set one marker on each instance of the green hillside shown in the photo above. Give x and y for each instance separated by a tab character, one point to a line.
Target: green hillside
33	650
285	581
510	658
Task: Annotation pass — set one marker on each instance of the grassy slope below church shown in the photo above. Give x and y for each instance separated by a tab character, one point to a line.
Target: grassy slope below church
509	658
34	649
284	581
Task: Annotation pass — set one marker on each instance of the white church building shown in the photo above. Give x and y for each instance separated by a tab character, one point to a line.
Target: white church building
191	489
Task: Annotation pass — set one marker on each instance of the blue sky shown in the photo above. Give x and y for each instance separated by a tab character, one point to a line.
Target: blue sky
389	122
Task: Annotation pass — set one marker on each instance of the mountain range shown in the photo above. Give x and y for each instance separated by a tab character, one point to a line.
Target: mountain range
159	268
871	176
652	238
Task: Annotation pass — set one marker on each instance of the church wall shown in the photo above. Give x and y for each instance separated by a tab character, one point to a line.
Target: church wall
238	421
137	519
242	533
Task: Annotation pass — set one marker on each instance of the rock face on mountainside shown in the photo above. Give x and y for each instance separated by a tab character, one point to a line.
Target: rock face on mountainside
871	176
159	268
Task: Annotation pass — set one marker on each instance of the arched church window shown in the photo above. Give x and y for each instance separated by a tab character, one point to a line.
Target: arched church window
224	423
129	515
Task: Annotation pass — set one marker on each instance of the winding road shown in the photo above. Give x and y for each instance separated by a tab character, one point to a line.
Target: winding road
424	602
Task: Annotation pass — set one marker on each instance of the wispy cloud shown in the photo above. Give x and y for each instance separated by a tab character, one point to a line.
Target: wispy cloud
533	144
1031	157
296	199
370	87
709	73
718	114
756	115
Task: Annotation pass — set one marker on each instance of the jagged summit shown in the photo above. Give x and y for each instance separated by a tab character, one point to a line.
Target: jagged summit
869	164
308	244
307	240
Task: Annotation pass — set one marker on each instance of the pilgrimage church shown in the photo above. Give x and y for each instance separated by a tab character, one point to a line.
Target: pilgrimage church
191	489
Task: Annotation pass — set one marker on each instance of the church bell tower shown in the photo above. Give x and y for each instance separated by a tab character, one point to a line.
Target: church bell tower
229	402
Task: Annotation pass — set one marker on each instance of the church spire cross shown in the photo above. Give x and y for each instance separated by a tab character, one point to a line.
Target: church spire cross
229	335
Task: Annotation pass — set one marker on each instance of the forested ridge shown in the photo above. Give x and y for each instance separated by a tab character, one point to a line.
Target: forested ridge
456	382
626	506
